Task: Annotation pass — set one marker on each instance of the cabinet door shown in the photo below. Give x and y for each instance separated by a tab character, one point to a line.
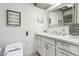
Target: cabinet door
68	47
60	52
44	48
39	45
50	50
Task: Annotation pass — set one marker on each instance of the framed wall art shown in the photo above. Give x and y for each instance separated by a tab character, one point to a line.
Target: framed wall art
13	18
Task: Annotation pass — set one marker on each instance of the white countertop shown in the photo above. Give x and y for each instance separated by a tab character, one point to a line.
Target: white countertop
67	39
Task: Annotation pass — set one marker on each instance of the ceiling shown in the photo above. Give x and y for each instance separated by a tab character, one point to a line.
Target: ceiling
42	5
52	6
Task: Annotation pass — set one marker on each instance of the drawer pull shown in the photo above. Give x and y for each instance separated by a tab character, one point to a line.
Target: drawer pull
65	44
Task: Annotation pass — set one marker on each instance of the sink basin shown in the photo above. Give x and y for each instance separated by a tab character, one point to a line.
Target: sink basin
57	36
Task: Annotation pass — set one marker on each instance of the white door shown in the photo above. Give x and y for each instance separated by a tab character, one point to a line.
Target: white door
50	50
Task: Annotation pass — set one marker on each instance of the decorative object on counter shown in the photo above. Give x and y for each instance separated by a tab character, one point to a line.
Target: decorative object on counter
13	18
45	31
40	19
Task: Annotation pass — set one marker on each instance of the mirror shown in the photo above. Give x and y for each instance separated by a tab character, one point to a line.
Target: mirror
63	14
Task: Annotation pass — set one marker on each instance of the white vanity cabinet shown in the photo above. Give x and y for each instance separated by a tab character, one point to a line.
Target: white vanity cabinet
47	49
72	49
47	46
44	47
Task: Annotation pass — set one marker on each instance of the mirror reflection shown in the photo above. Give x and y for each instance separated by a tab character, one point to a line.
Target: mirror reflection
61	14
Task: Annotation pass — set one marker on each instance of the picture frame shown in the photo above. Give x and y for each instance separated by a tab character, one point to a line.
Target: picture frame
13	18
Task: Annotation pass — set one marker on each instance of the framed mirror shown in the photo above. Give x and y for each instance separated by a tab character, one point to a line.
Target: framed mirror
63	14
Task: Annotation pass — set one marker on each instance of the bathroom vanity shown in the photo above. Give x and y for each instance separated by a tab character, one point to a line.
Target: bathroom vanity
54	45
60	43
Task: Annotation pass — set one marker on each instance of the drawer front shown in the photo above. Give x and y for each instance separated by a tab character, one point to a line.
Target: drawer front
48	40
68	47
60	52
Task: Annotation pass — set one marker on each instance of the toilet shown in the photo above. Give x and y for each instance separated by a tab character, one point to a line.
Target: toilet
14	49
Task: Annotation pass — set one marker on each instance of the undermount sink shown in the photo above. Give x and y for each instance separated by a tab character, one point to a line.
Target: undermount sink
62	36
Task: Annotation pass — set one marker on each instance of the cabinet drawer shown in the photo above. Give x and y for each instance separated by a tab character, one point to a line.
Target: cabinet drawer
48	40
60	52
68	47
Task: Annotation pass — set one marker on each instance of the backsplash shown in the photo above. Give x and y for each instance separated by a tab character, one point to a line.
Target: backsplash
59	30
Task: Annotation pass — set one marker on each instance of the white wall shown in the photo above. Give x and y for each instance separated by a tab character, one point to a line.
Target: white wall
55	16
29	15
